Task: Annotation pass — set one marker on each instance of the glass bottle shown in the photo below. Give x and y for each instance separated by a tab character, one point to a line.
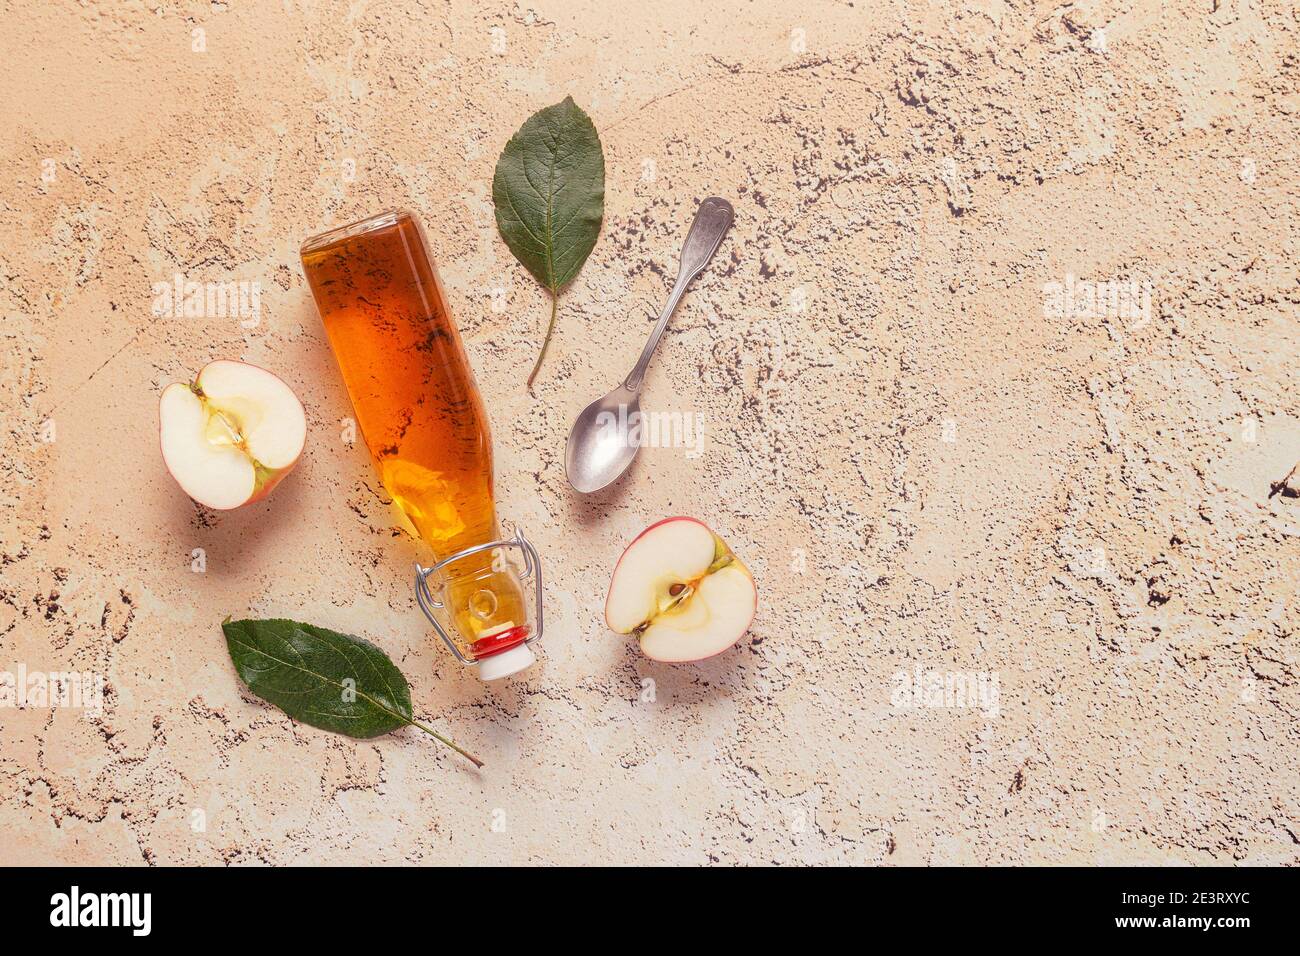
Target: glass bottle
422	417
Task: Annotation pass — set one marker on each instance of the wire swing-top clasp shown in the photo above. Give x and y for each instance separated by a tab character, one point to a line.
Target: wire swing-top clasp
532	570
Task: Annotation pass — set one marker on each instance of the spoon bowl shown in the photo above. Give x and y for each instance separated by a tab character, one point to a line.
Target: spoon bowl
599	449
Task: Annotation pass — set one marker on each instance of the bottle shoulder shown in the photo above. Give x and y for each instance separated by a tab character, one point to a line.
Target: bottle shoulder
387	219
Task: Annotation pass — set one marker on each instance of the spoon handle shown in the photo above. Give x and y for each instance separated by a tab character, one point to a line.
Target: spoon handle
712	220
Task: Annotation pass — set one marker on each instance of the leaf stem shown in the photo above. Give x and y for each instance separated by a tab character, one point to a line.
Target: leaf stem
555	301
460	750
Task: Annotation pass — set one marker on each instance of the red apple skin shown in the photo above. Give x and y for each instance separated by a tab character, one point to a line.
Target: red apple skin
269	486
276	476
752	614
629	548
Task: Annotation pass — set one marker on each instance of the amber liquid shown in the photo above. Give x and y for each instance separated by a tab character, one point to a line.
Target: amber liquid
419	411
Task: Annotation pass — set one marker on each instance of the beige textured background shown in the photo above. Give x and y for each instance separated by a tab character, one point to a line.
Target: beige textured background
1099	534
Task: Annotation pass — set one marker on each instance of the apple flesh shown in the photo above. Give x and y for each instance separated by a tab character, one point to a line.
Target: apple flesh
232	434
682	591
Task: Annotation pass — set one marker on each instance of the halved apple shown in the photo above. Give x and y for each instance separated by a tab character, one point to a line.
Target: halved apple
682	591
232	434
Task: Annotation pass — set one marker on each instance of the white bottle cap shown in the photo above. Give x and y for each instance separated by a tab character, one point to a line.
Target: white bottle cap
506	663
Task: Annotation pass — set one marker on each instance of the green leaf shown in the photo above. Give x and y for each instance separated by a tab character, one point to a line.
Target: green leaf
549	194
321	677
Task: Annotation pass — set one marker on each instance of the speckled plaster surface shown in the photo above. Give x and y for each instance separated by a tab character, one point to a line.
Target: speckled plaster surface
923	468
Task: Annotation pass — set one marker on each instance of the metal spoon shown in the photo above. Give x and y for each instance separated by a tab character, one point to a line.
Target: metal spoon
599	449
